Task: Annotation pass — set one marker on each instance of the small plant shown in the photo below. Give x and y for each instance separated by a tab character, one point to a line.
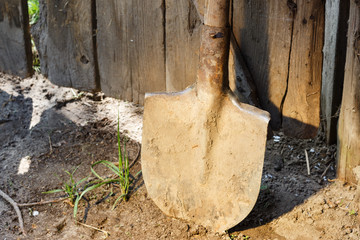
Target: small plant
352	212
233	236
36	60
34	12
70	187
34	15
122	172
77	95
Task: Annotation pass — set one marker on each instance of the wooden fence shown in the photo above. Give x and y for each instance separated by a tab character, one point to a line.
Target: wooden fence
126	48
15	45
349	123
279	58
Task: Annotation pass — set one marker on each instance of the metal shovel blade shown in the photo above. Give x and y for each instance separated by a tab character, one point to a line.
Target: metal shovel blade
200	162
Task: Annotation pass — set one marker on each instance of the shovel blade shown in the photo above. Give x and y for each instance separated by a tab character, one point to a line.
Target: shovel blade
202	169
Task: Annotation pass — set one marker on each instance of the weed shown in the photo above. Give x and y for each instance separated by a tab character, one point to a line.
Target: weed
122	173
233	236
77	95
70	187
245	237
352	212
36	60
34	15
34	12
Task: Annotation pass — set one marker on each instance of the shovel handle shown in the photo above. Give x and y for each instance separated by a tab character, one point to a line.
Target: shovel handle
217	13
214	49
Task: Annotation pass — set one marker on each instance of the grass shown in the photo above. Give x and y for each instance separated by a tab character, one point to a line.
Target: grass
71	187
34	12
352	212
122	174
36	60
34	15
122	177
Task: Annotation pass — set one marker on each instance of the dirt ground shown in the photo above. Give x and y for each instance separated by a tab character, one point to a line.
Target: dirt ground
46	130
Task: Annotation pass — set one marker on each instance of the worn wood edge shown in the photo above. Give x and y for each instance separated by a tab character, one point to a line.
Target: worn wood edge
27	37
335	41
348	151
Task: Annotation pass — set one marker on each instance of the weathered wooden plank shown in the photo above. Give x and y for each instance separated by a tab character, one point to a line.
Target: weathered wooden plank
349	122
15	44
183	25
336	17
301	111
131	54
263	33
66	43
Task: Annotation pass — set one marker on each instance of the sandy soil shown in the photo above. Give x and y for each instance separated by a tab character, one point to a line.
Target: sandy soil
46	130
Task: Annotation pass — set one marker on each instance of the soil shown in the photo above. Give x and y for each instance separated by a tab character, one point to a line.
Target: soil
46	130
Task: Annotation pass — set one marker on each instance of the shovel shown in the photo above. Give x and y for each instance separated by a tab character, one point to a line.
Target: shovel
203	150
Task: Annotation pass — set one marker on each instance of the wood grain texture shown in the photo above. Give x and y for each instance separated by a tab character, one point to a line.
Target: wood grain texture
349	122
301	111
15	45
200	7
183	25
336	17
263	33
131	47
66	44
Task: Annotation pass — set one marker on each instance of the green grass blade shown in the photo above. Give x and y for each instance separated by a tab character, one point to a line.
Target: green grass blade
95	173
137	173
108	164
82	180
116	201
120	155
53	191
87	190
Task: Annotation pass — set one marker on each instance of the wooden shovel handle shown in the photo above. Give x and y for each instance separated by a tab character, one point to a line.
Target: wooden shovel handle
217	13
214	49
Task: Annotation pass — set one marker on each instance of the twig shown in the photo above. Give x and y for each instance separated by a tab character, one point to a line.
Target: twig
137	155
98	229
50	144
307	162
342	208
4	121
17	210
325	171
41	203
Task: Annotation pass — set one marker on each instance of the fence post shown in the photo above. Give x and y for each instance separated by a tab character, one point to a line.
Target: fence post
15	43
131	51
66	46
336	17
349	121
301	109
